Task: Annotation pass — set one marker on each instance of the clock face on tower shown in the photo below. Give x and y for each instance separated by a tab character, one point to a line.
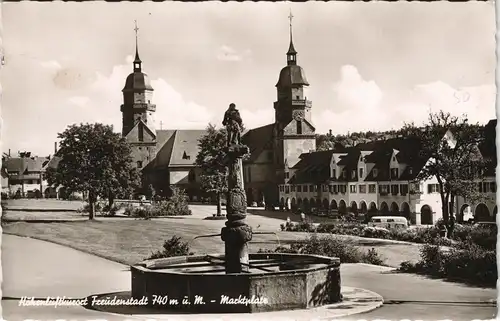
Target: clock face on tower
298	114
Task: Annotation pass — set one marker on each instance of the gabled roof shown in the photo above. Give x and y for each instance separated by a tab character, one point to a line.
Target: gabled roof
258	140
185	147
25	164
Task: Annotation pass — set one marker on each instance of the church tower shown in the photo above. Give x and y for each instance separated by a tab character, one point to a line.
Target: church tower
138	113
294	131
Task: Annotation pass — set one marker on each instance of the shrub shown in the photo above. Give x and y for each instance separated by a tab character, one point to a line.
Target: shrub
372	257
299	227
129	210
468	262
172	247
375	232
332	247
175	206
341	229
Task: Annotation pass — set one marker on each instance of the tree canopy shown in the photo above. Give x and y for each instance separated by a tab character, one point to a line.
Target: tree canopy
95	160
450	145
211	159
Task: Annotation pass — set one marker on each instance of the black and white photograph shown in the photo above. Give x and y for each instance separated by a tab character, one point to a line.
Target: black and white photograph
248	161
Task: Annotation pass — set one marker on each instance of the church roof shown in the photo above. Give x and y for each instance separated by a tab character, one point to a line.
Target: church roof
292	75
257	140
137	81
176	148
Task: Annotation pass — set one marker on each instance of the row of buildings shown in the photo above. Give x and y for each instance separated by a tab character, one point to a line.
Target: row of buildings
381	177
284	168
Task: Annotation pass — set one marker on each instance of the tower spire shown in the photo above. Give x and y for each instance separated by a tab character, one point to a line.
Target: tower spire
292	53
137	60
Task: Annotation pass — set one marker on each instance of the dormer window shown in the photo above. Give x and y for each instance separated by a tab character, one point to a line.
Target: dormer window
394	172
375	172
353	173
410	171
185	156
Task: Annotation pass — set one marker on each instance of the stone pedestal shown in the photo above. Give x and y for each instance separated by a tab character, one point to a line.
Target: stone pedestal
236	234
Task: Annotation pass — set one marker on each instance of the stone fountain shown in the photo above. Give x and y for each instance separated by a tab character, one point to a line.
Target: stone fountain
237	281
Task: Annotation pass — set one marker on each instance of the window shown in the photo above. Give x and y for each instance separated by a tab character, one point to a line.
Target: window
432	188
330	189
299	127
343	189
390	220
384	189
139	164
192	176
362	189
394	189
344	174
372	188
352	188
299	188
353	173
297	97
333	173
311	188
361	173
493	187
335	189
324	188
287	175
404	189
415	188
293	188
315	188
375	172
287	189
141	133
394	173
149	101
376	220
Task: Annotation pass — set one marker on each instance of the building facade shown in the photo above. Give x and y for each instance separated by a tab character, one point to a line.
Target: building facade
166	157
380	178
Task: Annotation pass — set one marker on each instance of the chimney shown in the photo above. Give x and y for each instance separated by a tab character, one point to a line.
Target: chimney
9	152
330	132
55	147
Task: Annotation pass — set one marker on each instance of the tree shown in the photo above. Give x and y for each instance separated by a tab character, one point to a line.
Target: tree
211	159
449	145
94	160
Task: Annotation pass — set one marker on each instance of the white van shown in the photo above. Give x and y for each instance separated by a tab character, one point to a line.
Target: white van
389	222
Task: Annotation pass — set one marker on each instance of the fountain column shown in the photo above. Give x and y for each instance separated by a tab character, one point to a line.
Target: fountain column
236	234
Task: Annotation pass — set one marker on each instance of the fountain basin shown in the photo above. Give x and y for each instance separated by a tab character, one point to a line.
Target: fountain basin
274	282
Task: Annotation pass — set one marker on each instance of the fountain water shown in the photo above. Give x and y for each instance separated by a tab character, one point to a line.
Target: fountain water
237	281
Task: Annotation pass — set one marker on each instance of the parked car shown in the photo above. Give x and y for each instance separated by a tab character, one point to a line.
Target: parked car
389	222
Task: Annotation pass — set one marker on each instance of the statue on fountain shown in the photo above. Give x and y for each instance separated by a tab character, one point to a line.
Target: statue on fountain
236	233
232	121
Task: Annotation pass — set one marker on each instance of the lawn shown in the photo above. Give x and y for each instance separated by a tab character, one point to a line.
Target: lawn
128	240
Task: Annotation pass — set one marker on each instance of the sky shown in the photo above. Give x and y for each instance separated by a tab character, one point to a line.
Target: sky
370	65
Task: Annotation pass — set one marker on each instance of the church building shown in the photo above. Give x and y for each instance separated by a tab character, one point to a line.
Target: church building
166	156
